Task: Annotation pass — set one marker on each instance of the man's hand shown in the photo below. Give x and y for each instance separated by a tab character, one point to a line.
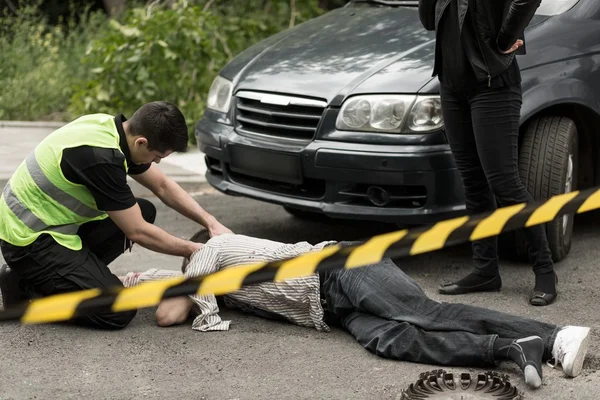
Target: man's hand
171	194
514	47
173	311
218	229
133	225
196	247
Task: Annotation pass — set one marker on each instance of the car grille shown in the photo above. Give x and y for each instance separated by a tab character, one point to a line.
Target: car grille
277	116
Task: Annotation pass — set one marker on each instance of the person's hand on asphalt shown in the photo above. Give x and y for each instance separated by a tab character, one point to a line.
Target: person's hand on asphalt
514	47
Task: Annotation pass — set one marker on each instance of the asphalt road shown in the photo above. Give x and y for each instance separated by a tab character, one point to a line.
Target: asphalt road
260	359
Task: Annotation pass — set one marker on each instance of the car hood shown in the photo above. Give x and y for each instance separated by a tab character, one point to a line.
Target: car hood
345	51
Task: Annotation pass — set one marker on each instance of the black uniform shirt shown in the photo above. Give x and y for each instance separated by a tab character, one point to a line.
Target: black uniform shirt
102	171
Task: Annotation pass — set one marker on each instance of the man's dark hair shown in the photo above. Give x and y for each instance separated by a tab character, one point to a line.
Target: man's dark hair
202	236
162	124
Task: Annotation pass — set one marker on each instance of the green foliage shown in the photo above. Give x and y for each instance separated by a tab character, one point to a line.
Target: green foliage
154	51
173	53
39	63
161	54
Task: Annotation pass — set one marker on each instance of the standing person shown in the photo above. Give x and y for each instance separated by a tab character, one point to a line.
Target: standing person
480	86
67	211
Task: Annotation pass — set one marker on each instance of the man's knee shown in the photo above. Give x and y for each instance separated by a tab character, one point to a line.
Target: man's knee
148	210
113	321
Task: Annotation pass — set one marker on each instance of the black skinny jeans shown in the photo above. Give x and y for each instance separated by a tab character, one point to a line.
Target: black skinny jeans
482	127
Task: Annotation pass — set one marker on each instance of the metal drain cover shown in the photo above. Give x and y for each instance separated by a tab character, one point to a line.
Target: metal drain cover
440	384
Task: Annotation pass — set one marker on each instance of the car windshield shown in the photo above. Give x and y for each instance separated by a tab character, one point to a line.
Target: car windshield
547	7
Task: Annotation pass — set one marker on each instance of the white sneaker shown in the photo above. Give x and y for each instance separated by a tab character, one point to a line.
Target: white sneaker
570	347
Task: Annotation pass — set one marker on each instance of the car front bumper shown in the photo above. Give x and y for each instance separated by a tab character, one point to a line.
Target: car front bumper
390	183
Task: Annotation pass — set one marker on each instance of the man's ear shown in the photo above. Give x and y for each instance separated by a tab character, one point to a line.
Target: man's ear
141	141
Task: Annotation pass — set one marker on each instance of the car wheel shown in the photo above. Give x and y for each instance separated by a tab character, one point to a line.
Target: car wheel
304	215
444	385
548	161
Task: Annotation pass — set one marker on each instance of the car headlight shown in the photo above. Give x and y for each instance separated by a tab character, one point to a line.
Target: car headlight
219	95
391	114
426	115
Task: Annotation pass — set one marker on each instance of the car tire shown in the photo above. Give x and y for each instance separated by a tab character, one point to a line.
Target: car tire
304	215
548	159
440	384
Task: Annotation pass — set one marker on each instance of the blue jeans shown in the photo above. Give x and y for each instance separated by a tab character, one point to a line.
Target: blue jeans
389	315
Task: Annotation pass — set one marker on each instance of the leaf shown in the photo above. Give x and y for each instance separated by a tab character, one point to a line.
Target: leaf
169	55
102	95
98	70
162	43
134	58
143	74
125	30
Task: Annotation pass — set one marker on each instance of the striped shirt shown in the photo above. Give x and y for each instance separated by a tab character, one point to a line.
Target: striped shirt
298	300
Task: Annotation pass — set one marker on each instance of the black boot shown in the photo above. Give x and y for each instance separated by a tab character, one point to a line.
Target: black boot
12	294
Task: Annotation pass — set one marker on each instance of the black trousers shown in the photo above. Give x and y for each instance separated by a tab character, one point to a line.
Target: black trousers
482	126
46	268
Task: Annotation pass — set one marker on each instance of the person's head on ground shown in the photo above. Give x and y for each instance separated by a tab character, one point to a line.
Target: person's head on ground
202	236
154	131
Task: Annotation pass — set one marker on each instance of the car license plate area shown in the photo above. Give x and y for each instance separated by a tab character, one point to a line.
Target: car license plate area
266	164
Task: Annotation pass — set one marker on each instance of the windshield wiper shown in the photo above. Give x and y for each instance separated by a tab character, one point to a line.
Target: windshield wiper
390	2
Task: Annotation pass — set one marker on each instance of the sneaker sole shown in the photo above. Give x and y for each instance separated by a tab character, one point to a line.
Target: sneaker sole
532	378
577	364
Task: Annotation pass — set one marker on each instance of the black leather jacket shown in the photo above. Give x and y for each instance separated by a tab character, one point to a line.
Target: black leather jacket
497	24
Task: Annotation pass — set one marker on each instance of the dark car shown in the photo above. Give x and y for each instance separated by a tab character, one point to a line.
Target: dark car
340	116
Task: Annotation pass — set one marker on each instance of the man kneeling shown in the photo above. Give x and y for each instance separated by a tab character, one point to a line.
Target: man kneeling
382	307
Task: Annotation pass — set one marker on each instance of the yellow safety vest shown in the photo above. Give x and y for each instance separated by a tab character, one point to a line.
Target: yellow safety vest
39	199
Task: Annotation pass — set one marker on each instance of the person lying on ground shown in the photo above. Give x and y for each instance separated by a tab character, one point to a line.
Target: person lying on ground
382	307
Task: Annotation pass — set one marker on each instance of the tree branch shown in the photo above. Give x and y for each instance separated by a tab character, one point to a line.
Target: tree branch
292	13
192	85
224	44
114	7
11	6
208	5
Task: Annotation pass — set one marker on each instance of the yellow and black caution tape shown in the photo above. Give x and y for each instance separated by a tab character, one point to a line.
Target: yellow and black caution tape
398	244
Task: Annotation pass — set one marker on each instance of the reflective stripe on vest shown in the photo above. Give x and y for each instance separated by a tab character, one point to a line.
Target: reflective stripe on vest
29	219
55	193
41	199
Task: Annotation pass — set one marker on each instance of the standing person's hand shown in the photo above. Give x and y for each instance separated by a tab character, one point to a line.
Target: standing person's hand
218	229
514	47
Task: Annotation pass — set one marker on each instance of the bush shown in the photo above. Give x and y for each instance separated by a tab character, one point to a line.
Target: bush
39	63
173	53
90	63
163	54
